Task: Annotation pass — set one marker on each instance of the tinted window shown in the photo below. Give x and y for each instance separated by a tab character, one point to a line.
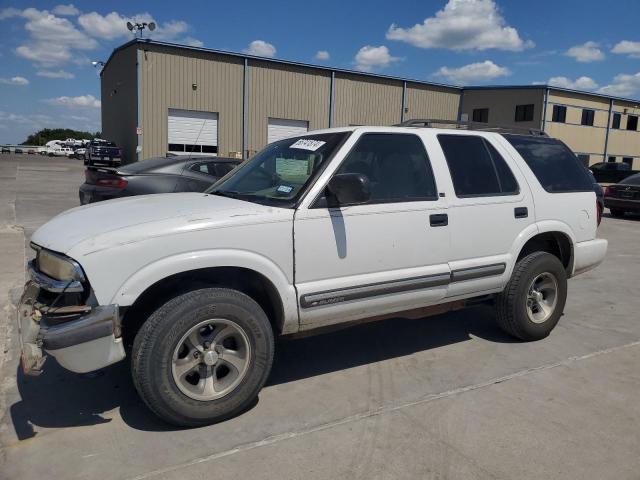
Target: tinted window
223	168
615	123
554	165
632	122
611	159
476	167
632	180
481	115
587	117
207	168
396	165
584	160
559	113
524	113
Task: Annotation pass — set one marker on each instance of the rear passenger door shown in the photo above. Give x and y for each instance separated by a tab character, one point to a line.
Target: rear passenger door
387	255
490	205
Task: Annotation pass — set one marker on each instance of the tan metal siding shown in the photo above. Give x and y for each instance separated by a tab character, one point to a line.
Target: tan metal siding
287	92
119	99
366	101
502	105
623	142
167	79
425	101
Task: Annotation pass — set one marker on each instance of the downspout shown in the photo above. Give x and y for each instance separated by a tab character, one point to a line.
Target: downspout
606	137
459	119
544	110
245	107
139	105
404	101
331	87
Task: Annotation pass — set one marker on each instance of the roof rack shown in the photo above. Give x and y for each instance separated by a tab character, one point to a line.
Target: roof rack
466	125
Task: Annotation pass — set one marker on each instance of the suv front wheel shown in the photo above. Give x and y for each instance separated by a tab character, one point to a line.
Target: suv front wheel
203	356
533	300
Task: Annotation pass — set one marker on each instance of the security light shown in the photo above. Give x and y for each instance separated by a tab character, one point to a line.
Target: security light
95	63
130	26
152	26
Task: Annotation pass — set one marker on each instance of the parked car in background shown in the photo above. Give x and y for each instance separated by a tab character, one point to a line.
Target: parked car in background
624	196
61	152
31	151
17	150
611	172
6	150
79	153
103	153
155	175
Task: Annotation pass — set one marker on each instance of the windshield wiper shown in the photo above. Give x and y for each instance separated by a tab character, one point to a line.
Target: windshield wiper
235	194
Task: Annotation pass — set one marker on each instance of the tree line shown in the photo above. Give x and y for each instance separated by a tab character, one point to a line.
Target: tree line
45	135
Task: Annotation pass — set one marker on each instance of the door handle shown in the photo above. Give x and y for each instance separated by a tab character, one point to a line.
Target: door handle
439	220
521	212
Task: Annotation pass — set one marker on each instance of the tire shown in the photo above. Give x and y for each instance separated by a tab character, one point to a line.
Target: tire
513	311
616	212
160	344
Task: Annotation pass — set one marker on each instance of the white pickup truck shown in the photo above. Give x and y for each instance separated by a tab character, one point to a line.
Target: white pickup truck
337	226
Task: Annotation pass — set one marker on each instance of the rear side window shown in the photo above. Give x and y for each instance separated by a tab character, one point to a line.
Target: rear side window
476	167
554	165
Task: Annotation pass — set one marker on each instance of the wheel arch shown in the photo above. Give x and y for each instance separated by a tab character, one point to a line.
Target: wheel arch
556	242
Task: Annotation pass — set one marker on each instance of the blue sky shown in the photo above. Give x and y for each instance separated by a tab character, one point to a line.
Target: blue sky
46	77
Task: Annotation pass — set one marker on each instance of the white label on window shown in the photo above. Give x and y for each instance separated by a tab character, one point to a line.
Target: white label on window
307	144
284	189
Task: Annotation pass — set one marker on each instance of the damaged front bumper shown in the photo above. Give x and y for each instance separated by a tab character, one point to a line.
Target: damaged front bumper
82	338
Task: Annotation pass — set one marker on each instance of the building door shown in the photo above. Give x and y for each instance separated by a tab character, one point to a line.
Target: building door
192	132
280	128
387	255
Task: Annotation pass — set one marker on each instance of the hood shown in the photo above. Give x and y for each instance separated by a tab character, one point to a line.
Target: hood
102	225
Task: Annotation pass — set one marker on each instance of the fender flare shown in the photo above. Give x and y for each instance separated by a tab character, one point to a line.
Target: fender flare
154	272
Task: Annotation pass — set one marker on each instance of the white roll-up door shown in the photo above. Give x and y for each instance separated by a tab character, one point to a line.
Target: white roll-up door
193	132
279	128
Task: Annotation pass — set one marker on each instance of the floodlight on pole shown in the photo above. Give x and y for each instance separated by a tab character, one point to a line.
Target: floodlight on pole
95	63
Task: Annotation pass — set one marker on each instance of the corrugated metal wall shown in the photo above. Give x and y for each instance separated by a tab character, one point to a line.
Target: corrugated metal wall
502	104
119	99
287	92
366	101
167	80
425	101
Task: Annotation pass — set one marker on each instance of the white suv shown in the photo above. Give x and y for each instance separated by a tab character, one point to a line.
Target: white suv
340	225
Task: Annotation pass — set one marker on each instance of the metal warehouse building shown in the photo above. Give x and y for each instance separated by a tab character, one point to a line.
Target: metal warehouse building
159	97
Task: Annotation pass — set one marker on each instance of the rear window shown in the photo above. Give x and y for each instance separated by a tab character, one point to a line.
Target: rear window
632	180
554	165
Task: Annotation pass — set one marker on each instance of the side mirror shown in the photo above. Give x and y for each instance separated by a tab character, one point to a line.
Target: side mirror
348	189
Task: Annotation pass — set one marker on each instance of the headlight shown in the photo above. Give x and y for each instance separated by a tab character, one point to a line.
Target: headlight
58	267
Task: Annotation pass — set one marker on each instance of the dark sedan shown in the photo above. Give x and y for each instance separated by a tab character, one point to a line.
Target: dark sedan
624	196
155	175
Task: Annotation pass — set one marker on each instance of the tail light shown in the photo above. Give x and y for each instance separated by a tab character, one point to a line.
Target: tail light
606	191
598	212
113	182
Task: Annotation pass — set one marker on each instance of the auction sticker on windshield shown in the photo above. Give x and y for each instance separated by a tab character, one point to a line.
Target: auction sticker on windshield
308	144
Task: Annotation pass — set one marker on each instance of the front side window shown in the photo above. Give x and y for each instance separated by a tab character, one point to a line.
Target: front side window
396	165
524	113
632	123
554	165
559	113
477	169
279	173
587	117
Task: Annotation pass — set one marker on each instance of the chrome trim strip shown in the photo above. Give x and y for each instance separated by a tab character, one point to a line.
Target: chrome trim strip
478	272
51	285
372	290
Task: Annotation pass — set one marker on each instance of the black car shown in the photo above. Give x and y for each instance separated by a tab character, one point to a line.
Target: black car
6	150
624	196
17	150
155	175
611	172
102	153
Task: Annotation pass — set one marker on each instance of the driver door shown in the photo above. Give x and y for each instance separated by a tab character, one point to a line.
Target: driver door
387	255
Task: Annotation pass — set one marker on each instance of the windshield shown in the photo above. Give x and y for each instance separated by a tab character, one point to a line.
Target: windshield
279	173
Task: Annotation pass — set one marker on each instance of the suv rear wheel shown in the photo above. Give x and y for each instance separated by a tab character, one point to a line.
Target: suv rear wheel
203	356
533	300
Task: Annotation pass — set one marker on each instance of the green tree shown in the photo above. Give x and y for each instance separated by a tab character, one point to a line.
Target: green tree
45	135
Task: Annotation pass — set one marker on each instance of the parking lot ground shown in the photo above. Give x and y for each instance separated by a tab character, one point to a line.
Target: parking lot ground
444	397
